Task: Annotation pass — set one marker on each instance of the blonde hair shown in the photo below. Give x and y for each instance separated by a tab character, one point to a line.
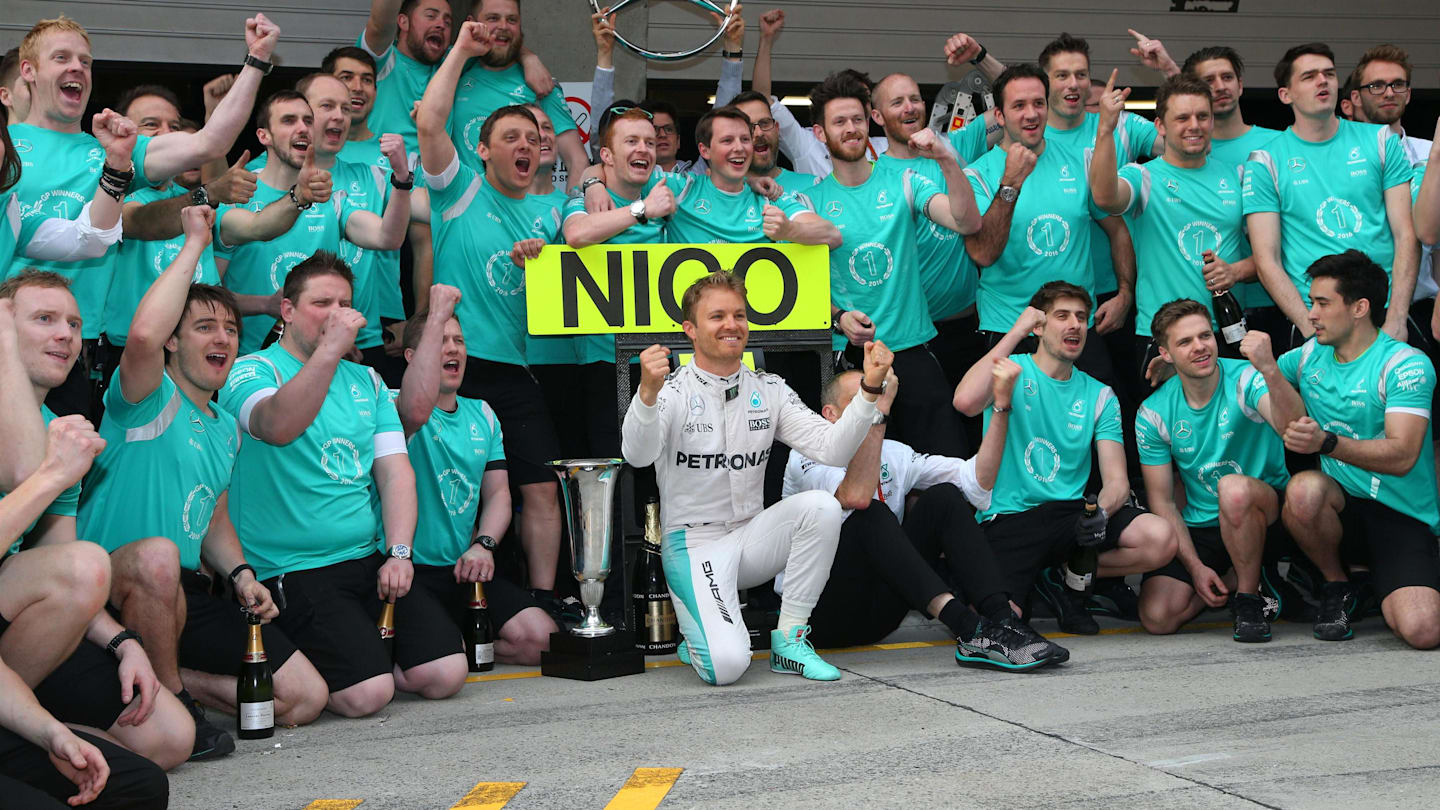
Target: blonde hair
30	46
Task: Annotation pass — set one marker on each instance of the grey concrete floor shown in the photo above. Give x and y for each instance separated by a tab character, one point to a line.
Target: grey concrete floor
1189	721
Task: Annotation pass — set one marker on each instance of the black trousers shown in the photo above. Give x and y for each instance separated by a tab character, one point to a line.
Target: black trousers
28	780
884	569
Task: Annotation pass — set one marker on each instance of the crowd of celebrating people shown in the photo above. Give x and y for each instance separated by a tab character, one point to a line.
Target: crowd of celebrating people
214	402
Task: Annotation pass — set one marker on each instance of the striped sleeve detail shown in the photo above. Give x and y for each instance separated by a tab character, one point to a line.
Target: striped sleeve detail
1162	431
155	427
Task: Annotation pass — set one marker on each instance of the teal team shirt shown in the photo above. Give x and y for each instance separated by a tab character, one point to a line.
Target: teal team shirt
482	91
1048	444
1351	399
1235	151
474	228
1175	215
1225	436
970	142
451	455
1330	195
140	262
65	505
1050	234
307	504
59	174
706	214
366	152
165	464
9	228
260	268
601	348
948	276
399	83
795	182
876	269
366	187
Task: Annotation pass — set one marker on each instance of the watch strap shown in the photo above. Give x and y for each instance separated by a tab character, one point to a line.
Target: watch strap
877	390
980	57
120	638
397	184
236	571
256	62
1327	446
733	54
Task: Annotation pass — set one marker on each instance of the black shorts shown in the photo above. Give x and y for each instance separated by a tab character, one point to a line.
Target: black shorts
1210	548
448	599
216	632
330	613
516	398
30	781
1400	550
1025	542
84	689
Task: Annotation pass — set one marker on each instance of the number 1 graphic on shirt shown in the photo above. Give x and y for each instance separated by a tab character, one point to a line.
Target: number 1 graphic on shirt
62	209
870	268
1338	209
1048	229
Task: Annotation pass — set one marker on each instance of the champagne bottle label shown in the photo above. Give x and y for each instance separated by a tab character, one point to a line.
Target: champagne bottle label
480	604
254	657
256	716
484	653
1076	582
387	632
1235	332
660	621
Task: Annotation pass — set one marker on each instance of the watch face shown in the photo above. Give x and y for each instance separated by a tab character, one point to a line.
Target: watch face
400	551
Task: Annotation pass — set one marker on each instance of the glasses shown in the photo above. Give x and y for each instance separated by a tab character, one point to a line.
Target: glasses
765	124
1378	88
623	110
667	129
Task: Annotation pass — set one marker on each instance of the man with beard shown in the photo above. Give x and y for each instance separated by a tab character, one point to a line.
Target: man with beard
875	277
495	79
63	163
947	273
1217	425
766	139
366	187
407	39
1036	515
257	266
1183	209
1324	184
160	491
487	226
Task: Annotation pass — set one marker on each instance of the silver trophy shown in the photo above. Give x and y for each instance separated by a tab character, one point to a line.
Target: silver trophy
589	487
726	13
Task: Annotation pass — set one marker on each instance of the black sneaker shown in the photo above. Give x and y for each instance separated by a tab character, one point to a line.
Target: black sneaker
996	645
1068	606
1290	602
1251	624
1367	602
1332	623
1058	654
1112	597
565	611
211	742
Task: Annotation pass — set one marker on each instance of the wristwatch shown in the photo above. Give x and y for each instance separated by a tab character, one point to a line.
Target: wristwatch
200	197
877	390
637	210
399	186
1328	445
590	181
120	638
486	542
980	57
256	62
400	551
1009	193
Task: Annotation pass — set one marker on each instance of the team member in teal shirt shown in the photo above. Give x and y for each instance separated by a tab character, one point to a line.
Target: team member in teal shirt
407	39
161	487
486	227
1325	185
876	283
355	68
320	432
461	485
1183	210
1366	411
765	155
1060	416
1215	423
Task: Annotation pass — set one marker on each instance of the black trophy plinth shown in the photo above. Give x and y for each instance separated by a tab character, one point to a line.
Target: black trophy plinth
592	659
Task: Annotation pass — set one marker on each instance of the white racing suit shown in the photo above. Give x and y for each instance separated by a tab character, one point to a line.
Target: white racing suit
709	438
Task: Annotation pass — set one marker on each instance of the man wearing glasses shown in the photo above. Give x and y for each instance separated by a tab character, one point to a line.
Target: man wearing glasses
765	135
1325	185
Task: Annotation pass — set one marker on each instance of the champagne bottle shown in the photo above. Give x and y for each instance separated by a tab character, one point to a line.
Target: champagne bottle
386	625
255	688
654	613
1229	317
479	638
1080	570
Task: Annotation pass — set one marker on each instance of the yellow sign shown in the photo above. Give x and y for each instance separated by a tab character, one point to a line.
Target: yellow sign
607	289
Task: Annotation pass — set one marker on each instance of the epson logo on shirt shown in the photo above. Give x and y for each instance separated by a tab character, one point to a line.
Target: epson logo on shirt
720	461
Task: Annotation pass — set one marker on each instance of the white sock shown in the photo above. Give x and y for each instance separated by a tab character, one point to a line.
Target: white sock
789	621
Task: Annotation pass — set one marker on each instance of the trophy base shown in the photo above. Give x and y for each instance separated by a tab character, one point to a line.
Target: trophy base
592	659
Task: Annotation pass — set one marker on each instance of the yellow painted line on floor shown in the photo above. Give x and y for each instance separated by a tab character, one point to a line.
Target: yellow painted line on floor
898	645
489	796
645	789
334	804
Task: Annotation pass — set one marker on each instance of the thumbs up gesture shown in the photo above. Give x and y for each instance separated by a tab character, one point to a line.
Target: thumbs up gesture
313	184
236	185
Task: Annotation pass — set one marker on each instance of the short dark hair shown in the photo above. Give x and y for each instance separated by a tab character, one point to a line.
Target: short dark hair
348	52
715	280
750	95
1356	276
1286	64
840	84
1381	53
1065	43
655	106
262	113
320	263
512	110
215	297
415	328
10	65
1180	85
1169	314
1023	70
408	6
1051	291
1229	54
122	105
706	126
